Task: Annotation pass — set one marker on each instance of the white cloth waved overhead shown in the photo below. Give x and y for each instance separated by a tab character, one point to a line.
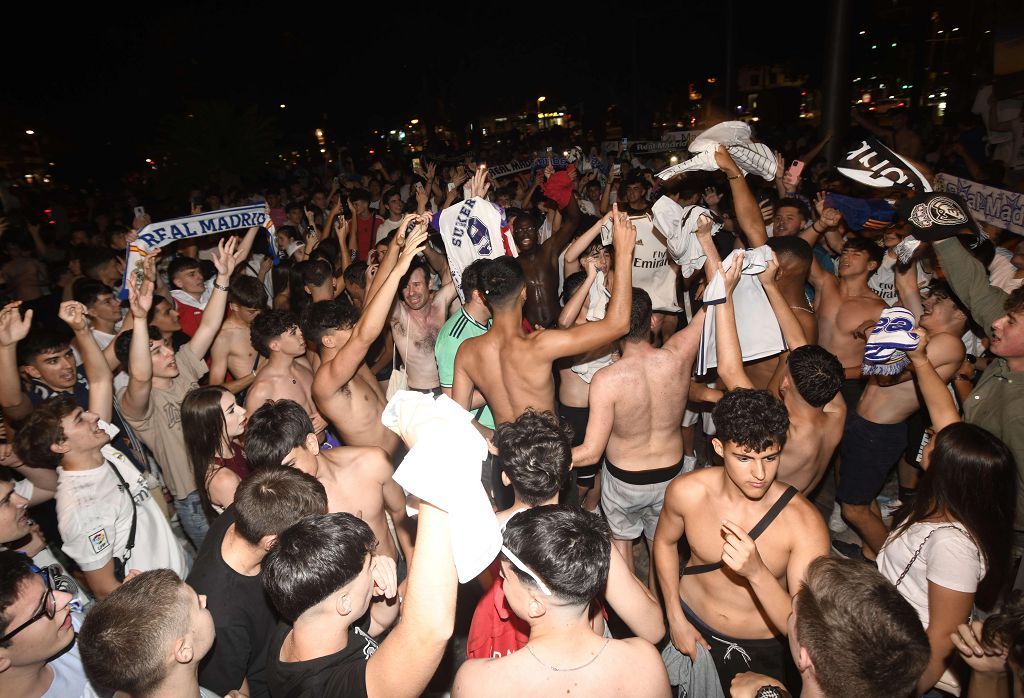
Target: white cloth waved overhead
443	468
473	229
735	136
756	325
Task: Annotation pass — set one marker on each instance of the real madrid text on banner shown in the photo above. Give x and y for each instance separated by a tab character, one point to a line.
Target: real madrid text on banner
157	235
875	165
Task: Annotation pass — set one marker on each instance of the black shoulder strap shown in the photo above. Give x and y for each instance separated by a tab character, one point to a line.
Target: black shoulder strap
760	528
135	513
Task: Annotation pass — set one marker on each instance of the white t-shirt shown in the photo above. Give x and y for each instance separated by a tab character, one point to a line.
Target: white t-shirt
385	228
69	679
949	558
883	281
95	517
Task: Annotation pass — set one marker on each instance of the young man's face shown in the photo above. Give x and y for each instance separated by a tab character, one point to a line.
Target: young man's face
111	272
1008	336
165	318
190	281
164	363
304	457
290	342
43	638
753	472
394	204
54	368
524	232
14	521
853	262
82	432
634	193
894	236
788	221
939	312
106	308
320	200
246	315
416	294
294	216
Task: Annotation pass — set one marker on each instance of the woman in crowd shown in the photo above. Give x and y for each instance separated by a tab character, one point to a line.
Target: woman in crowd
214	421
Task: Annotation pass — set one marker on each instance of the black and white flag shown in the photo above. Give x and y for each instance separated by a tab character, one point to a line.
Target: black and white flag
875	165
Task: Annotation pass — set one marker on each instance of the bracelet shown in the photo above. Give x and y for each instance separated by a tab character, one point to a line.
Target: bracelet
735	176
219	287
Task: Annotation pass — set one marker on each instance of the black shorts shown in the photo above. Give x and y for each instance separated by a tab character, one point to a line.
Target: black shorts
770	656
851	389
867	454
917	426
577	418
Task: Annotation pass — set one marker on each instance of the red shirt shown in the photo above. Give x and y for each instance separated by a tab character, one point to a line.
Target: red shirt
366	229
495	630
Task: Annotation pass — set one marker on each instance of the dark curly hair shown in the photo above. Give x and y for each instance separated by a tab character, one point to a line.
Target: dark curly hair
268	325
754	419
817	374
535	452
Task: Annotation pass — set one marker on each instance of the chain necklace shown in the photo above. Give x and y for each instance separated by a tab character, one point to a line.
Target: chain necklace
575	668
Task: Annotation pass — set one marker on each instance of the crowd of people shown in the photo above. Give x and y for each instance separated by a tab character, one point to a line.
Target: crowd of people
639	422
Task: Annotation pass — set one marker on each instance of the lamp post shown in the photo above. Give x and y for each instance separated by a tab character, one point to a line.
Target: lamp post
539	100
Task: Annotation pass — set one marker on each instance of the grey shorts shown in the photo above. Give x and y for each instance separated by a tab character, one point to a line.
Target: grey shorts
633	507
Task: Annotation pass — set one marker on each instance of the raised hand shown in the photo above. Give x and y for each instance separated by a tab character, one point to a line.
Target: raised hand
767	277
780	163
73	313
732	276
725	162
409	220
819	203
623	230
830	218
415	242
224	258
14	327
385	576
140	296
479	186
920	355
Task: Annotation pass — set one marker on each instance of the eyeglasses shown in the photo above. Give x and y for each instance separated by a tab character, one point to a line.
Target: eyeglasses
49	609
521	566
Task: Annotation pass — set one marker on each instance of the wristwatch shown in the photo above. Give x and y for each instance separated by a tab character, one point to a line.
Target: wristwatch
767	691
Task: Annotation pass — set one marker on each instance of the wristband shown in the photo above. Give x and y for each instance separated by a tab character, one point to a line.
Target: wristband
219	287
735	176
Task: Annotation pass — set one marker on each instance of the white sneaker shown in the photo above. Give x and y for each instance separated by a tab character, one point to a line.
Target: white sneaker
835	522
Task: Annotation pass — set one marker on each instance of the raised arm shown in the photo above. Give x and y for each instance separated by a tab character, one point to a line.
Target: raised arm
941	407
135	401
571	310
969	280
97	372
907	289
727	342
340	369
580	339
224	259
390	258
13	328
748	213
577	247
792	330
403	664
561	237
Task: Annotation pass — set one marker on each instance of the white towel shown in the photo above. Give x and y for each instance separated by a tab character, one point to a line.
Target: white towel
443	468
756	324
679	226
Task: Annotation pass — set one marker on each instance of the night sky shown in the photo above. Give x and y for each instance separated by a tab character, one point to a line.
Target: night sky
94	85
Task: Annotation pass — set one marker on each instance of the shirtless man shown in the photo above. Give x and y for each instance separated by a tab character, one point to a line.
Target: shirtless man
845	307
416	322
807	382
345	389
539	262
636	407
232	352
794	257
735	593
512	368
357	479
551	589
876	435
285	375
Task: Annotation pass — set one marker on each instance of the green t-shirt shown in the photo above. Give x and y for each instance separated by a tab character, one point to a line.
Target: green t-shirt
459	327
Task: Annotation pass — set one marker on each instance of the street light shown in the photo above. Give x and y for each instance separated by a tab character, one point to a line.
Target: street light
539	100
30	132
